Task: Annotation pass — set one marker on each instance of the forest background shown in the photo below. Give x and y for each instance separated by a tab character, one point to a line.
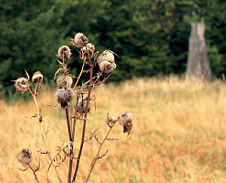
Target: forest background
150	37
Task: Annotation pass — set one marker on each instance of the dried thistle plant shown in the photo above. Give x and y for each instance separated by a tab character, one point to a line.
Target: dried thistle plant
82	97
25	157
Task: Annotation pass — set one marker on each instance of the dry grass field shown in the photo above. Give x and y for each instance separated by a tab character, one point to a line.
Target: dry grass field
179	134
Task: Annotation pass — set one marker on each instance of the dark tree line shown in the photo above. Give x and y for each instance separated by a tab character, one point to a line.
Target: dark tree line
151	37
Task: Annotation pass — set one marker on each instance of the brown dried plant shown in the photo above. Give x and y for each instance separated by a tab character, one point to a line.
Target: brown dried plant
82	97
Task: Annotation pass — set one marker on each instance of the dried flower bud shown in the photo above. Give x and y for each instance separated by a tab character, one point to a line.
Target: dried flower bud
80	40
25	156
64	96
64	52
62	82
82	103
21	85
125	120
67	147
107	67
37	77
106	55
111	121
87	51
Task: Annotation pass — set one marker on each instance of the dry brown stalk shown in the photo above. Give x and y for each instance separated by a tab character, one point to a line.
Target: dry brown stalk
69	123
43	132
80	74
34	172
84	123
98	152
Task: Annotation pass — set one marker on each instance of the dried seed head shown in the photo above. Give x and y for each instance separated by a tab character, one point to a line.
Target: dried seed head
80	40
106	55
125	120
87	51
64	52
82	103
21	85
62	82
67	149
37	77
107	67
111	121
64	96
25	156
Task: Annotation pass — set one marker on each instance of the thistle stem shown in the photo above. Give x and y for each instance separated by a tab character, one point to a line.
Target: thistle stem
84	125
36	178
98	153
69	126
79	75
70	138
43	132
36	87
72	147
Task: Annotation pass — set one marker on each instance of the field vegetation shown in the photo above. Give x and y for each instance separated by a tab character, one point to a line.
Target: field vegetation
179	133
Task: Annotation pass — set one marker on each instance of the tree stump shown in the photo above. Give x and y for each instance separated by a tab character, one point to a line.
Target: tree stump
198	65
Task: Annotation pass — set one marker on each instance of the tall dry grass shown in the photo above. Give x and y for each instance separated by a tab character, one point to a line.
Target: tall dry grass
179	134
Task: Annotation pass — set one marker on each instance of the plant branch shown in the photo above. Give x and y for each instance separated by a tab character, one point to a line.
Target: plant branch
43	131
36	178
68	122
79	75
84	124
71	152
98	153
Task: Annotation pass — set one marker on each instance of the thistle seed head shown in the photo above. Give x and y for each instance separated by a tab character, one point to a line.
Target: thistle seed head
106	55
107	67
87	51
64	96
62	82
111	121
64	52
37	77
25	156
80	40
21	85
82	103
125	120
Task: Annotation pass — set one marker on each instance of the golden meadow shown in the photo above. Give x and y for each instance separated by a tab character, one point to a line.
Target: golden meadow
179	134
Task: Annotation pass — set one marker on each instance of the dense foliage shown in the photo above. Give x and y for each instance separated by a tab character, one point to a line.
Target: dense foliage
151	37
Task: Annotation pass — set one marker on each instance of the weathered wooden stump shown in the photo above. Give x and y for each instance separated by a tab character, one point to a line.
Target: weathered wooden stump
198	65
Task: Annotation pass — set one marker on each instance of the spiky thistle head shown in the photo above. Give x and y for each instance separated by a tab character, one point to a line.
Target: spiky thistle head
111	120
25	156
64	52
107	67
37	77
80	40
64	96
106	55
82	103
62	82
125	120
21	85
87	51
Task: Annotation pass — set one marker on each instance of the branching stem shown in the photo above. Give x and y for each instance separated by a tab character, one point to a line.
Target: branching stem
69	126
80	74
72	147
43	131
36	178
98	153
84	124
